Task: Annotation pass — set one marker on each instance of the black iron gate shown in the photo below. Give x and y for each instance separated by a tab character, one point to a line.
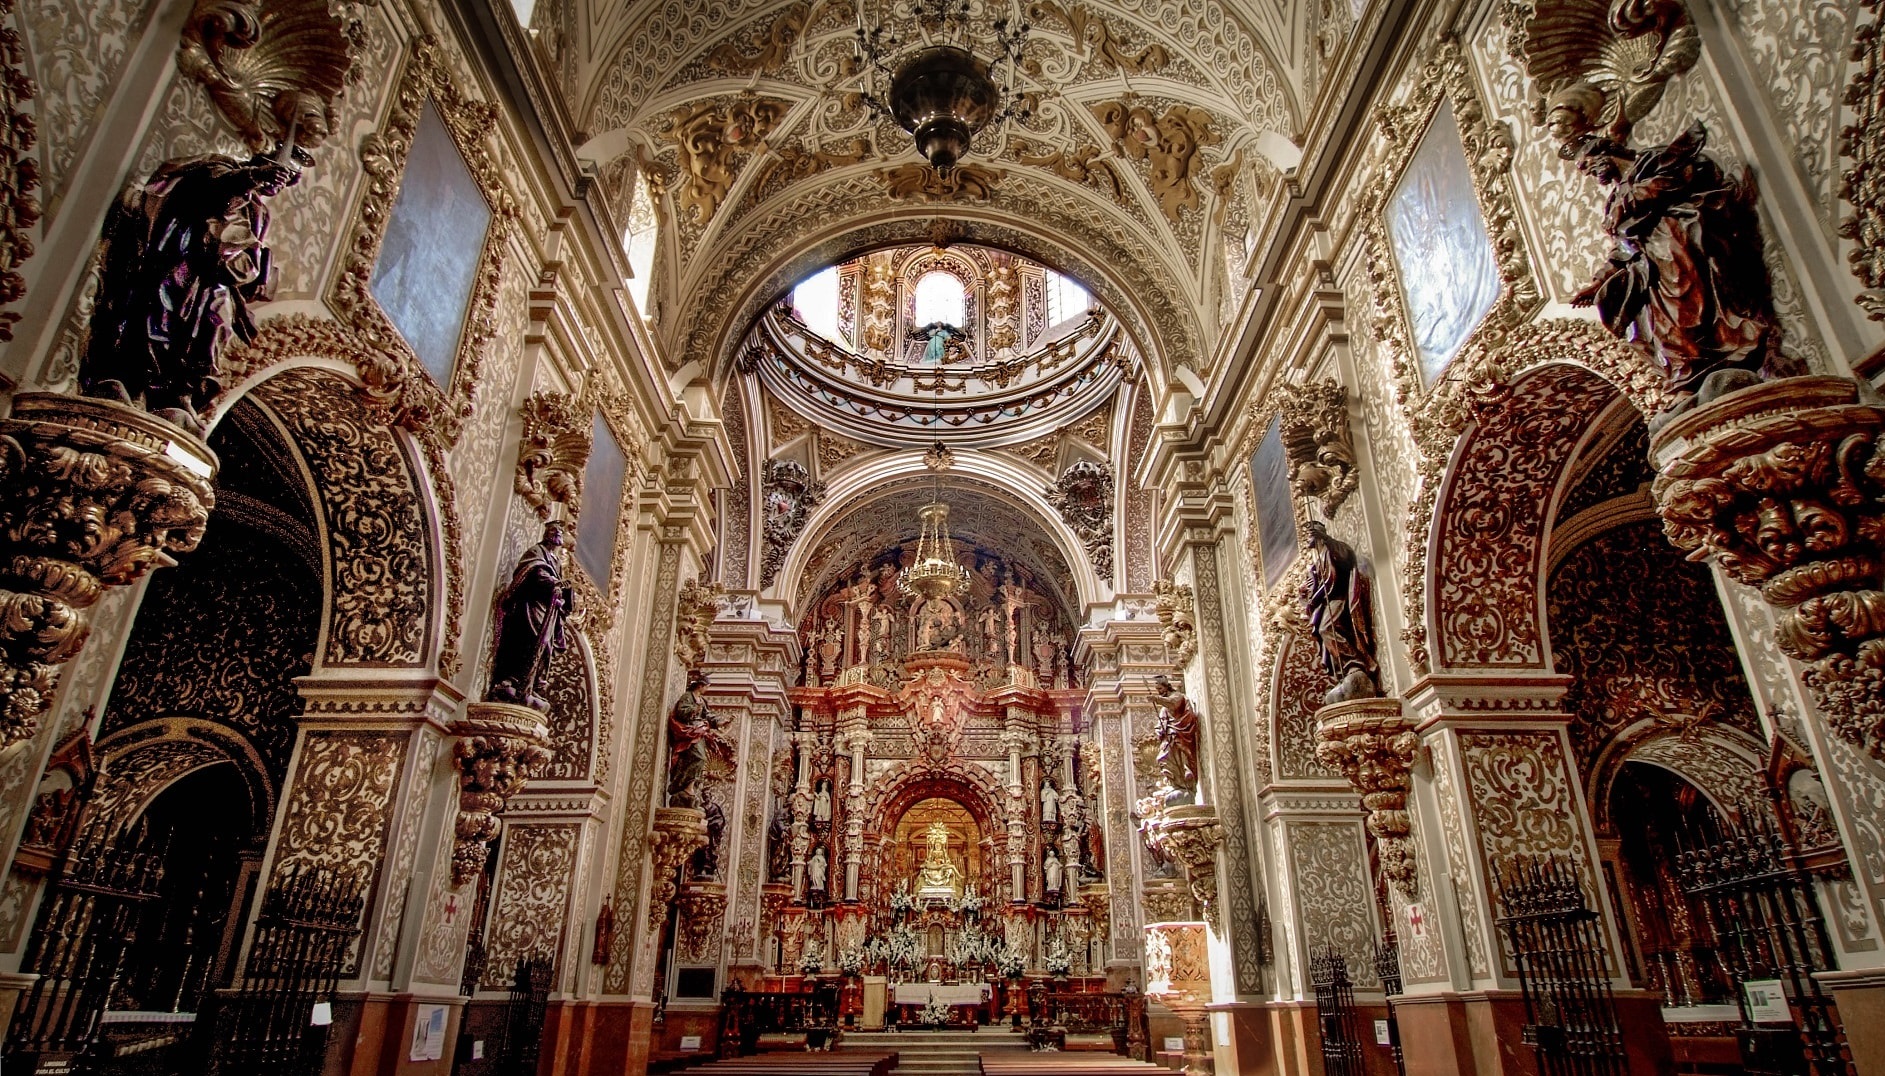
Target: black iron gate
522	1028
1335	1011
1765	916
1557	942
86	926
266	1023
1387	968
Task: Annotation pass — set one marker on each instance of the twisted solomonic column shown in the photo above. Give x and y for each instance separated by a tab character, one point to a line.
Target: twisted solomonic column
1783	485
1373	745
93	494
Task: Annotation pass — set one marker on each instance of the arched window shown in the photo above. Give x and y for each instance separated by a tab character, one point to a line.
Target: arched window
1065	299
939	297
640	242
816	300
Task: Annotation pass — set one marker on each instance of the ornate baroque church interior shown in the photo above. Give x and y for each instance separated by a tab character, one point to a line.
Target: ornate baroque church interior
850	537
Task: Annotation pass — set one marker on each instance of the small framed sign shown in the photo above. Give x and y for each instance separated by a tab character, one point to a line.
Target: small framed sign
1767	1001
690	1043
1381	1036
1174	1044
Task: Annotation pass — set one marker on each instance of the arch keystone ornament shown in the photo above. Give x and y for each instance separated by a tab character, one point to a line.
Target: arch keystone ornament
93	494
1782	484
1373	744
1178	975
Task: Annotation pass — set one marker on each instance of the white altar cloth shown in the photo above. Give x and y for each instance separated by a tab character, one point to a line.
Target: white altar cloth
946	993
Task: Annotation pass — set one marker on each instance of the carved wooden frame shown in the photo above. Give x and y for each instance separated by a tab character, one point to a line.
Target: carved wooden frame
412	395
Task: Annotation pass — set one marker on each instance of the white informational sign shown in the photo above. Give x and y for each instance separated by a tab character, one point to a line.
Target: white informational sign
323	1014
1174	1044
428	1033
1381	1037
477	1049
690	1043
1767	1001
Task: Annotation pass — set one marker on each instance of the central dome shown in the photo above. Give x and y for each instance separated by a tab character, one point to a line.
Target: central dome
966	344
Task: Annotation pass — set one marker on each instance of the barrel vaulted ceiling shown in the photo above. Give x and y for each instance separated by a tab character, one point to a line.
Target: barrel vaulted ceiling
1159	129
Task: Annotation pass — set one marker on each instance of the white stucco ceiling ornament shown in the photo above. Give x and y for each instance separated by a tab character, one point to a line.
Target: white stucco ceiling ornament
1153	132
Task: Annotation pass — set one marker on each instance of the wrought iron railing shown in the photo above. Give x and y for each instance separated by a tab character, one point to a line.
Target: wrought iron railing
521	1031
265	1023
1761	907
1557	943
1387	968
1335	1014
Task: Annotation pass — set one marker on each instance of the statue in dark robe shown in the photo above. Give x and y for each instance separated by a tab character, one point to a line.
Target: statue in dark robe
1335	599
530	616
693	731
1177	742
1685	277
182	256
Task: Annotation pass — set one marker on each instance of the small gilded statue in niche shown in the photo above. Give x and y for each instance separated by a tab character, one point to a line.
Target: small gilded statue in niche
693	733
1177	742
531	613
1685	277
182	256
1335	599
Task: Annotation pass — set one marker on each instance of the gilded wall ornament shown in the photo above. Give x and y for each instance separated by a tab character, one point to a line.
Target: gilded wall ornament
1169	145
700	603
1862	185
559	430
714	141
702	907
19	170
787	495
1783	487
922	182
1315	431
1081	164
1372	744
1601	65
498	746
1083	495
1173	602
678	833
92	495
272	70
1095	38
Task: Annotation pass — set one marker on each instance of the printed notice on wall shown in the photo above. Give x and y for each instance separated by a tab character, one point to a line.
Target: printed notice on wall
428	1033
1767	1001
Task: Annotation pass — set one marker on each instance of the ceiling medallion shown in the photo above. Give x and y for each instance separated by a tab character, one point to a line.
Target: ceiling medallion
939	90
936	573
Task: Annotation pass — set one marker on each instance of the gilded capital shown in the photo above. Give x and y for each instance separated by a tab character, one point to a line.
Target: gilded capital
1373	745
499	744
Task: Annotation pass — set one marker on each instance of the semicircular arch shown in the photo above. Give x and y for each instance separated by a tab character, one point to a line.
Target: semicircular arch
138	762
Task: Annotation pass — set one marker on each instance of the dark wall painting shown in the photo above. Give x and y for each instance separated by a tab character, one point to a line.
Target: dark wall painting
603	476
1276	513
429	256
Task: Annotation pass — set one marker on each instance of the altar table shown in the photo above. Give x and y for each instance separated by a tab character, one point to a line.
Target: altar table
946	993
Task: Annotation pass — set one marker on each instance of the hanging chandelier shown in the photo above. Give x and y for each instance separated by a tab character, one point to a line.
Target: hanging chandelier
936	572
938	89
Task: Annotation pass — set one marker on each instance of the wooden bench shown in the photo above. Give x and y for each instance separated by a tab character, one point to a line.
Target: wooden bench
1061	1064
811	1064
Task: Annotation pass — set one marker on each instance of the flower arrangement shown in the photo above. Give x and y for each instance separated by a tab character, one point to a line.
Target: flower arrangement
900	947
901	902
1058	961
812	959
850	960
934	1013
1011	962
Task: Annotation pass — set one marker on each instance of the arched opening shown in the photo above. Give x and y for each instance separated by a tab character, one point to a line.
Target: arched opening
1669	938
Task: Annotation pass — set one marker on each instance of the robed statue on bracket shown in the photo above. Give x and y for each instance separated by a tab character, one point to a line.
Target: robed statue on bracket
1340	611
1177	742
693	733
530	620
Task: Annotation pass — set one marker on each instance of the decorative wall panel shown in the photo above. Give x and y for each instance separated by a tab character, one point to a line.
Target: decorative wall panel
530	904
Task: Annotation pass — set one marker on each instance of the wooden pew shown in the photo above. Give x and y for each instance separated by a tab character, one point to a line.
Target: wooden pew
804	1064
1062	1064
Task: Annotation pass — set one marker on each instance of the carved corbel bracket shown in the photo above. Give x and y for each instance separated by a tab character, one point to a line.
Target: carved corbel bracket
678	833
702	907
1188	835
93	494
1313	422
699	605
1373	745
268	68
1175	605
1783	486
498	746
559	431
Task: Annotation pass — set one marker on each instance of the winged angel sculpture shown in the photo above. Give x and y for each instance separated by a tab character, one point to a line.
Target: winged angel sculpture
1685	279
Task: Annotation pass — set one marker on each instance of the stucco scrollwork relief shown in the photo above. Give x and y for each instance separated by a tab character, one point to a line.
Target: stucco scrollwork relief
530	906
558	433
1862	185
700	603
1083	495
787	494
1313	421
272	70
394	374
497	749
1601	64
19	169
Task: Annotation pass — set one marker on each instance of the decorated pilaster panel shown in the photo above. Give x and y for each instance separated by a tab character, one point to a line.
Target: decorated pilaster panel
1326	899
